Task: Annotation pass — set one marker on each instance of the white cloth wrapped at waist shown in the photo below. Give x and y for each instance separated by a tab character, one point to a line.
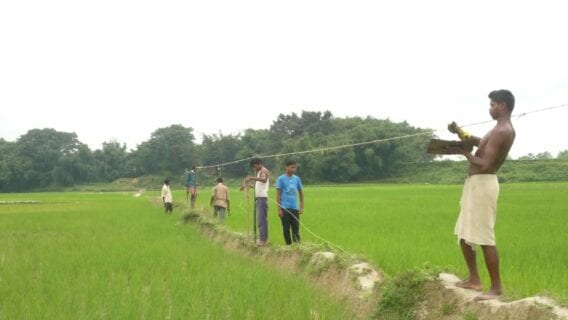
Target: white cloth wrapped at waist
476	222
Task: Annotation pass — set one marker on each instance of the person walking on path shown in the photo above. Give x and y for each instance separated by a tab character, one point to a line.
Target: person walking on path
167	197
220	200
191	185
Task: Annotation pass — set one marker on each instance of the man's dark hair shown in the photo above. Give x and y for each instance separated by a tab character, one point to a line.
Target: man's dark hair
193	167
290	162
219	180
255	161
503	96
167	181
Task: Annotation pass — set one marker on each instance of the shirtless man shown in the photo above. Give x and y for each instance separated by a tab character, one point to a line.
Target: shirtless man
475	225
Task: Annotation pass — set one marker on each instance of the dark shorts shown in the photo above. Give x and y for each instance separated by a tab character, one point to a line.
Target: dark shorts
169	206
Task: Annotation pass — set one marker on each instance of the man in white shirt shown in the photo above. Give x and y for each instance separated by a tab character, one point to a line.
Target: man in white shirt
167	197
261	198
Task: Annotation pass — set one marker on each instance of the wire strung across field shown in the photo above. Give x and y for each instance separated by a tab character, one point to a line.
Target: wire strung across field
324	149
356	144
303	225
520	115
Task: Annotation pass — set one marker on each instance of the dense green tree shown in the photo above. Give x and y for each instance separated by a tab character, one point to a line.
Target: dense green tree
562	154
220	148
76	168
40	150
5	171
112	161
169	151
42	158
370	161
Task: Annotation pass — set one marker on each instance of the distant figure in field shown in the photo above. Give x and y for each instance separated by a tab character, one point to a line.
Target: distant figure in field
167	197
192	186
475	225
220	200
261	197
288	188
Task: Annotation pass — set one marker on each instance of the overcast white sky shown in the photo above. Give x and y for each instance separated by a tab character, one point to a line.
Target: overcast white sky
120	69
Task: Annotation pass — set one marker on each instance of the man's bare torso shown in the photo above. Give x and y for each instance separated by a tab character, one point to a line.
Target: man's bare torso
495	145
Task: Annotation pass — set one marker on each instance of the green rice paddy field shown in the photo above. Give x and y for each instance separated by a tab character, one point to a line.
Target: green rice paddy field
398	227
112	255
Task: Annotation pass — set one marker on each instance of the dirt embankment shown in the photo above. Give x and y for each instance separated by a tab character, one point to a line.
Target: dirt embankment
346	278
443	300
417	294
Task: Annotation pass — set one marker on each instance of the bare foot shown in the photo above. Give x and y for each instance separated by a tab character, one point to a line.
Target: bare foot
466	284
489	295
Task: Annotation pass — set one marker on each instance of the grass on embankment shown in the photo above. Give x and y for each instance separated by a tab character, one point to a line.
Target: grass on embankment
85	256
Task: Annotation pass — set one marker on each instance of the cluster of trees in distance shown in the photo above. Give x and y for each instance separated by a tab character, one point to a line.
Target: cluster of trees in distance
46	158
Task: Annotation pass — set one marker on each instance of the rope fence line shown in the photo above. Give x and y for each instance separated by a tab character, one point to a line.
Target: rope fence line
303	225
518	116
324	149
247	210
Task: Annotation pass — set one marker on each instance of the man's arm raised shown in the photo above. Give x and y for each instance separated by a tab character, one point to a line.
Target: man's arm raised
263	177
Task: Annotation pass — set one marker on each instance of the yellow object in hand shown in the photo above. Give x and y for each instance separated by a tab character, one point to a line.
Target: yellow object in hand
462	134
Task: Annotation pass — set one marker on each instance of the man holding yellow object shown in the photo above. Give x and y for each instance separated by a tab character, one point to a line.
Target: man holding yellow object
476	222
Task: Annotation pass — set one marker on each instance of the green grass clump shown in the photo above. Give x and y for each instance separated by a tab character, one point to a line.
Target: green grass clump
401	295
469	316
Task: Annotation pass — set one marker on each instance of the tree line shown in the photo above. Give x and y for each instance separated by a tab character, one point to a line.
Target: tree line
46	158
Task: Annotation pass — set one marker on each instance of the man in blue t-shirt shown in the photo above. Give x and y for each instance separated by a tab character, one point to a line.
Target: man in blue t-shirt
288	188
191	185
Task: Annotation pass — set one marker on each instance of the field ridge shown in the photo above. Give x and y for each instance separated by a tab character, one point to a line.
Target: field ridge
438	296
321	264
